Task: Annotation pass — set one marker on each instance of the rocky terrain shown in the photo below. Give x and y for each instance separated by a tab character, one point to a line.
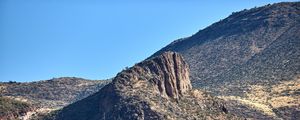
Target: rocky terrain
246	66
252	49
158	88
279	101
11	109
48	95
257	45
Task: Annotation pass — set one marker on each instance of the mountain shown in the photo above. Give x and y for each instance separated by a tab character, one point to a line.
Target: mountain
47	95
256	45
158	88
246	56
246	66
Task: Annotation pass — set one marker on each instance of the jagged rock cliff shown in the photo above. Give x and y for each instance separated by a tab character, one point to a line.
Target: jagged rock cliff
158	88
168	73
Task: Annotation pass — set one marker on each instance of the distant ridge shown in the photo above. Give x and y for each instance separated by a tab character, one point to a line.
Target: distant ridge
46	95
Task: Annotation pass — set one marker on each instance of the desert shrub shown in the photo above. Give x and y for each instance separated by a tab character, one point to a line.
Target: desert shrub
12	107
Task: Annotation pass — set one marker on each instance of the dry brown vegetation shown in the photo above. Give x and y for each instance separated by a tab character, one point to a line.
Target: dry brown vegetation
269	98
48	95
12	108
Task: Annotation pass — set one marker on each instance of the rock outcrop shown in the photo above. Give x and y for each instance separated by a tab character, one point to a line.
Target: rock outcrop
168	73
157	88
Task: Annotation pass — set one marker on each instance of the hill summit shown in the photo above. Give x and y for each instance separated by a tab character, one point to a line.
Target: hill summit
158	88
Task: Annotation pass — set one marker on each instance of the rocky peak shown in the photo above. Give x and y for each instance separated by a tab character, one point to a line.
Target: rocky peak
168	74
155	89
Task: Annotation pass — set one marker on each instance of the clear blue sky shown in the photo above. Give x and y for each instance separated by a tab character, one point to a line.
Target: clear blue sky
93	39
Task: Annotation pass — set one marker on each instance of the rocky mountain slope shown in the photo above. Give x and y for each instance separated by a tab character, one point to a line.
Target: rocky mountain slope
158	88
252	48
48	95
257	45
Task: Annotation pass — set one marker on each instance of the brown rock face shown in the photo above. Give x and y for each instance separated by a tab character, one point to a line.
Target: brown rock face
174	74
169	74
155	89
